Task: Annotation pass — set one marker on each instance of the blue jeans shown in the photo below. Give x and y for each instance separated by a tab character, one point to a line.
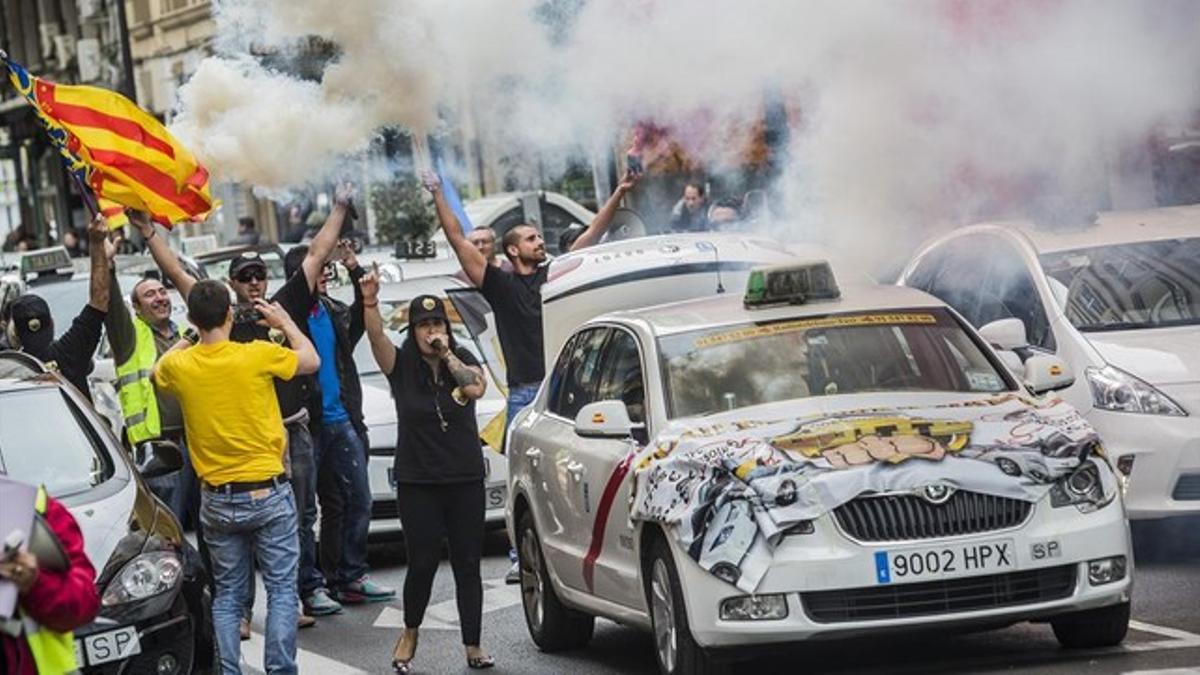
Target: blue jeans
240	528
344	456
519	397
303	456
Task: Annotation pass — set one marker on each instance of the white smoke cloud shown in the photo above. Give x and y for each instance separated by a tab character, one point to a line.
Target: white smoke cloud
909	112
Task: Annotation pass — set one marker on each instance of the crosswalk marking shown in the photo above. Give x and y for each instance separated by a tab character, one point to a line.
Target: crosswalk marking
306	661
444	615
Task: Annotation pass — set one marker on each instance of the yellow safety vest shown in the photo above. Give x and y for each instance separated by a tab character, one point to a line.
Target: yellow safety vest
53	653
134	388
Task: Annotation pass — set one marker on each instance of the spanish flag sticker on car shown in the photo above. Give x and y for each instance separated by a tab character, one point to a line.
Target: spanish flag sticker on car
1056	370
597	418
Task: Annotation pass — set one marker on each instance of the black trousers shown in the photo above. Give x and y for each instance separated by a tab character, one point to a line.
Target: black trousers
429	513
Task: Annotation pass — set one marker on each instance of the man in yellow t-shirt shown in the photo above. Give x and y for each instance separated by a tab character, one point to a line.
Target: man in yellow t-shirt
236	443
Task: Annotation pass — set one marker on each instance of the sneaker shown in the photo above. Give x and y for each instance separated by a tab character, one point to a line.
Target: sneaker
244	629
319	603
364	590
305	621
514	574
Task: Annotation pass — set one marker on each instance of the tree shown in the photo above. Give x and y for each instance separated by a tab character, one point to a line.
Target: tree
402	209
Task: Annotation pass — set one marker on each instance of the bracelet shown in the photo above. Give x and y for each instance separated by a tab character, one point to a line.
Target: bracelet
373	304
153	233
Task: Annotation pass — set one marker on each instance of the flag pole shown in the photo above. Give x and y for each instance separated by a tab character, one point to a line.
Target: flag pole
88	199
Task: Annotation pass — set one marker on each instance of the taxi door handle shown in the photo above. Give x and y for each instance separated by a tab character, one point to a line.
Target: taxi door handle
576	470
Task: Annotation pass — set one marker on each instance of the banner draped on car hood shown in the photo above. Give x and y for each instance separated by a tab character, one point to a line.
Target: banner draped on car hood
728	491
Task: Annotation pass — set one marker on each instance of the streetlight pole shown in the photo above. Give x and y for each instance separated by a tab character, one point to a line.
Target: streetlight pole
128	85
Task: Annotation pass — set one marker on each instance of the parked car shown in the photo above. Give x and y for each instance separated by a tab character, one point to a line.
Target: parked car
1119	301
674	473
380	411
215	264
155	613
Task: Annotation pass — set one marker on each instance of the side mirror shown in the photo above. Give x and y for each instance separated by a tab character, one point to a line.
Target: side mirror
1007	334
158	458
604	419
1046	372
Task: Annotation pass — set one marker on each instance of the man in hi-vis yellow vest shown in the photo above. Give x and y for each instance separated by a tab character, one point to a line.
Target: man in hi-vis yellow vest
137	341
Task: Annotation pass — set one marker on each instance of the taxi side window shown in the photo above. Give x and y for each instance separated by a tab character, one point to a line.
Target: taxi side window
622	376
582	377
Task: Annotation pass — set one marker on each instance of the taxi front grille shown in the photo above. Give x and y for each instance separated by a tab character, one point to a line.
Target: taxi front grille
905	517
929	598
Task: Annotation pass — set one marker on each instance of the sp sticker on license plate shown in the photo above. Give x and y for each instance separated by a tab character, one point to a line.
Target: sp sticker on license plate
944	562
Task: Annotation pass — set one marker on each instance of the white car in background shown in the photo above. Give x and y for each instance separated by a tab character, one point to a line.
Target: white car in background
379	410
801	462
1119	301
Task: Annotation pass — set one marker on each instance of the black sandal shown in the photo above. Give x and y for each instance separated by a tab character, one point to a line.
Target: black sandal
480	662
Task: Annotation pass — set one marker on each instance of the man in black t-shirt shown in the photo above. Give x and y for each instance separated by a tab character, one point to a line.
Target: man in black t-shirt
516	296
248	280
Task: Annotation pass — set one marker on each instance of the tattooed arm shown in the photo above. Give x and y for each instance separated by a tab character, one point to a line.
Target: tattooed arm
470	379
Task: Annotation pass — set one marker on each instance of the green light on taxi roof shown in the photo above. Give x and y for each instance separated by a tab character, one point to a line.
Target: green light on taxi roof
790	284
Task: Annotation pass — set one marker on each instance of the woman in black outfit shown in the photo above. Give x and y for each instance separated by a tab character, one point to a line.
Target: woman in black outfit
439	465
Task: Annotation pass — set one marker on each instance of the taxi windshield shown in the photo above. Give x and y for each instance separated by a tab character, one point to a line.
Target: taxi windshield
753	363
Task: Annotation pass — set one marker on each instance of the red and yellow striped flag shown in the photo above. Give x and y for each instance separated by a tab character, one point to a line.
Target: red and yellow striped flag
125	155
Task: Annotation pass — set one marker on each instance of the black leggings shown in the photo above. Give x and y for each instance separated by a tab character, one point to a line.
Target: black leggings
428	513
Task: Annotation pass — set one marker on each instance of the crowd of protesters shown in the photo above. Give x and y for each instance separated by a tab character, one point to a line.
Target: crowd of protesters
262	396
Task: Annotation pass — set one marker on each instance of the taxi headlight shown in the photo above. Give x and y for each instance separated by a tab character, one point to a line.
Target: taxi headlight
770	607
146	575
1085	488
1117	390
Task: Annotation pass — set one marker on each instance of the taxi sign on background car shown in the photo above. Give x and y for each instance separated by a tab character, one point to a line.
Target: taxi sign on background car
794	284
45	260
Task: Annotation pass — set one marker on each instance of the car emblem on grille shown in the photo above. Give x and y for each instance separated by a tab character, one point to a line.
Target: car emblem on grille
936	493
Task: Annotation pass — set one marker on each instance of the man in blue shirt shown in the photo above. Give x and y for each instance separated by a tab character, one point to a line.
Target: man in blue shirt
342	484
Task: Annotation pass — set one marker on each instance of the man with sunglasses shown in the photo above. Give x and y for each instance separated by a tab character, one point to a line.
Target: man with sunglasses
249	282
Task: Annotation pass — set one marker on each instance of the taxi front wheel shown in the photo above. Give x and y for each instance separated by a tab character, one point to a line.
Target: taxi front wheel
1102	627
674	647
553	626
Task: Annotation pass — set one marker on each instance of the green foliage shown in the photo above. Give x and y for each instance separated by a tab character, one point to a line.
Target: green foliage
402	209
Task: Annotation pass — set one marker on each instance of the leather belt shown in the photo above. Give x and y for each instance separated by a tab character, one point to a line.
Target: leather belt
238	488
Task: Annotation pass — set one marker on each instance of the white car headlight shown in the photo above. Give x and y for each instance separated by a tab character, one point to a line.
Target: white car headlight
146	575
1088	488
1115	389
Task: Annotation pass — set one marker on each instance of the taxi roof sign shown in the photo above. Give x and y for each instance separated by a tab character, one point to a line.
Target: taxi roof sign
790	284
45	260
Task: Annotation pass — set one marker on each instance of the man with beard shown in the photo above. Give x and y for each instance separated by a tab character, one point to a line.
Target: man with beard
30	327
516	296
248	280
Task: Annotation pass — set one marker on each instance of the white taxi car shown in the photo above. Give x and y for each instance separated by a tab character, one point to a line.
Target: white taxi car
803	461
1118	300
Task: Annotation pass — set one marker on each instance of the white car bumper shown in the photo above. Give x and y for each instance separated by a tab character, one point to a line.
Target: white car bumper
385	518
828	561
1165	480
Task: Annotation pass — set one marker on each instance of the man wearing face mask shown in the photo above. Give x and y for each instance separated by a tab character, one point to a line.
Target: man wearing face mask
30	327
248	280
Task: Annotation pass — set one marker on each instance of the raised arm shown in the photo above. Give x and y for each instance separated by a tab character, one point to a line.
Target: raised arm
356	272
603	220
327	237
99	284
469	257
381	347
163	256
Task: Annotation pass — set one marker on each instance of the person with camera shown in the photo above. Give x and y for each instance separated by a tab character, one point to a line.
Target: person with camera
50	602
438	465
248	278
237	448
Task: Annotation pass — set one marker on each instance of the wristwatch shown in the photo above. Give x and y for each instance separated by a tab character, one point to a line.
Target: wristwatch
191	335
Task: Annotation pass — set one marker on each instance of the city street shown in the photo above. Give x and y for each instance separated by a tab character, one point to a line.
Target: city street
1164	637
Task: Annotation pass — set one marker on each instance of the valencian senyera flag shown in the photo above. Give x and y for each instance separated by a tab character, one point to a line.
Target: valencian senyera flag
125	155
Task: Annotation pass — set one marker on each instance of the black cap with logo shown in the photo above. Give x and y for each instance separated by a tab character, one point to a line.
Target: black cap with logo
244	261
426	307
30	317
